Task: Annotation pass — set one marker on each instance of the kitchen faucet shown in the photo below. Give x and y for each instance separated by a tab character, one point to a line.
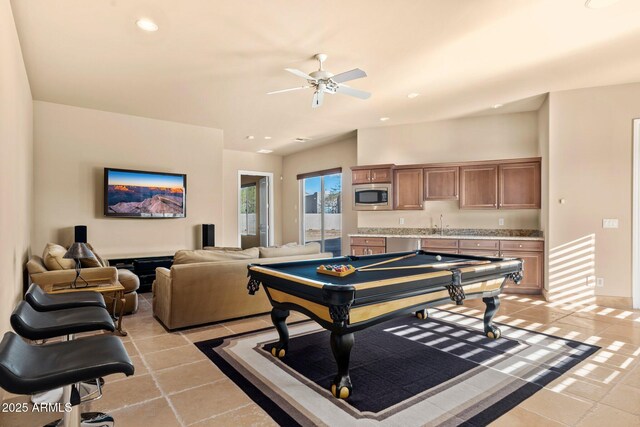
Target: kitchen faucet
441	225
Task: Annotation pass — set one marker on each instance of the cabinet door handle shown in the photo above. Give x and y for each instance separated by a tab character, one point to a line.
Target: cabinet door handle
520	246
477	244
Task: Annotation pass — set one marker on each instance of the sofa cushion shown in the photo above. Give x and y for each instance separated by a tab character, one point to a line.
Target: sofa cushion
190	257
53	258
290	250
222	248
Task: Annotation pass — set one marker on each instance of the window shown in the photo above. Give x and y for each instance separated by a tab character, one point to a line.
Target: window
248	210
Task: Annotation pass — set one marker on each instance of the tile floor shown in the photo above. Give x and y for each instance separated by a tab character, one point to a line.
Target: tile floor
176	385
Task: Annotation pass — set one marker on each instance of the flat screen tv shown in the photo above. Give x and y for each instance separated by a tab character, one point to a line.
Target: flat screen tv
140	194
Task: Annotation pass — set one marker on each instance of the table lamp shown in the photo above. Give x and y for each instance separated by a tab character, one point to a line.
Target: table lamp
77	252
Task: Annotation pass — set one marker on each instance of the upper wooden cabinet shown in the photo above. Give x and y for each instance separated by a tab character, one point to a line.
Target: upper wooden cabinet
479	187
381	175
519	185
361	176
441	183
372	175
407	189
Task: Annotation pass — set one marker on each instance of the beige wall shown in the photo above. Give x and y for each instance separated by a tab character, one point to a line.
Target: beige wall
543	151
16	166
493	137
73	145
339	154
235	161
590	152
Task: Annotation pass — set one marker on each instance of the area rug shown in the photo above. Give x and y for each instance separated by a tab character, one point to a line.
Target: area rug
405	372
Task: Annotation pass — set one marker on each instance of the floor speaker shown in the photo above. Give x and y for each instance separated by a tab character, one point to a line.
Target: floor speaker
80	234
208	235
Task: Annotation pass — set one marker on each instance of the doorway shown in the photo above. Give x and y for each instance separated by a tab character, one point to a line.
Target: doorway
255	215
322	211
635	250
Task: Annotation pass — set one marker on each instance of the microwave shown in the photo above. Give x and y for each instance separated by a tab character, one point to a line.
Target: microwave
372	197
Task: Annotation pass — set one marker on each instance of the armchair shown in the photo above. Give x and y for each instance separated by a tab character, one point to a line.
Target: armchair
62	277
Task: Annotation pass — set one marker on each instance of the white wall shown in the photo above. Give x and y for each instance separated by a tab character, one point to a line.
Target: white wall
503	136
16	167
338	154
235	161
590	152
73	145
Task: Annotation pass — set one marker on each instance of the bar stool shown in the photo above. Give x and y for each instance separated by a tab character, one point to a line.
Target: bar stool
29	369
35	325
42	301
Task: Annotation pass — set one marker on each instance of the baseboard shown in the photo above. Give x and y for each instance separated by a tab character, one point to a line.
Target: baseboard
625	303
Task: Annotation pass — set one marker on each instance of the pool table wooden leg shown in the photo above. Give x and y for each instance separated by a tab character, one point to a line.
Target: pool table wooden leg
341	345
279	318
422	314
493	304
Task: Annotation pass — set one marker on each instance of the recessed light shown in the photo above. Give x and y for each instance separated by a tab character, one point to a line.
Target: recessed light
498	105
413	95
267	137
384	119
599	4
250	137
265	151
147	25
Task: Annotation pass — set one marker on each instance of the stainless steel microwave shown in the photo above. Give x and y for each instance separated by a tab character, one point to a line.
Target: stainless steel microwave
372	197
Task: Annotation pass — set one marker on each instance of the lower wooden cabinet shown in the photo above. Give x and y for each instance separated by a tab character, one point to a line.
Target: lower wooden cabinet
367	250
532	274
368	245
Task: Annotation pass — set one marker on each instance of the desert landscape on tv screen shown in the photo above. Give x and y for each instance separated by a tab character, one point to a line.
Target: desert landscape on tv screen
144	194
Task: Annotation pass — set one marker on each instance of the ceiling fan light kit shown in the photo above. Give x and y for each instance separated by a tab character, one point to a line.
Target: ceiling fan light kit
325	82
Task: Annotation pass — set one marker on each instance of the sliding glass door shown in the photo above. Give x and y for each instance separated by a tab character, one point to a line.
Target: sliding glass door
322	211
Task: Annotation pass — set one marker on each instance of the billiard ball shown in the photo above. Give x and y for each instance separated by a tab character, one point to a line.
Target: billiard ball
438	257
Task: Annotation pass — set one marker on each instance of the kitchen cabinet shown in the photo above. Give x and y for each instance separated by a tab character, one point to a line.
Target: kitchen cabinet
371	175
479	187
407	189
368	245
519	186
441	183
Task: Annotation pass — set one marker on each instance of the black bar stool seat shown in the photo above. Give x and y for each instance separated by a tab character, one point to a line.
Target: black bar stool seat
42	301
29	369
36	325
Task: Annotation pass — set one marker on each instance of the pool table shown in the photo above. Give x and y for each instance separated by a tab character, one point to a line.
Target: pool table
398	284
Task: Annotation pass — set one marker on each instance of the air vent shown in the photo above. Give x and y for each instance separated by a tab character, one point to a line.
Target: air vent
302	139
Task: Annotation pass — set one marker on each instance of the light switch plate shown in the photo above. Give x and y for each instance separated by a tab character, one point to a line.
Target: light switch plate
610	223
500	221
401	221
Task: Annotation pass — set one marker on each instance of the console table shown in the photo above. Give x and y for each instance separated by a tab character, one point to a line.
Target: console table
143	266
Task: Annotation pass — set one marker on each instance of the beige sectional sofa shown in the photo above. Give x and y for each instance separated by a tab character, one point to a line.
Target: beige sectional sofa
207	286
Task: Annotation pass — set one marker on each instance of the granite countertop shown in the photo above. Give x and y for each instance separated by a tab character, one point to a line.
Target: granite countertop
451	233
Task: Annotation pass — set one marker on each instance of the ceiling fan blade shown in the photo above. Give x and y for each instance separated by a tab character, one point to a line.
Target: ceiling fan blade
300	73
287	90
356	73
346	90
318	96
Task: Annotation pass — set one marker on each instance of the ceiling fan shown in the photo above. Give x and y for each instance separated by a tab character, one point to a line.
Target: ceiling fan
325	82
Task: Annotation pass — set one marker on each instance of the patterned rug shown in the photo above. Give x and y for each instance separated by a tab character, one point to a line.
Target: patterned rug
405	372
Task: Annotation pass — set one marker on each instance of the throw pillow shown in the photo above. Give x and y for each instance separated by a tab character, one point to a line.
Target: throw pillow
53	258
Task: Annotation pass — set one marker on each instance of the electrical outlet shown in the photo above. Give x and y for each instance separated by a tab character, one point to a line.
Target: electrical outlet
599	282
401	221
500	221
610	223
590	281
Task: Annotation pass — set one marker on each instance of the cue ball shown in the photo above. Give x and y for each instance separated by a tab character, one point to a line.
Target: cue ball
438	257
